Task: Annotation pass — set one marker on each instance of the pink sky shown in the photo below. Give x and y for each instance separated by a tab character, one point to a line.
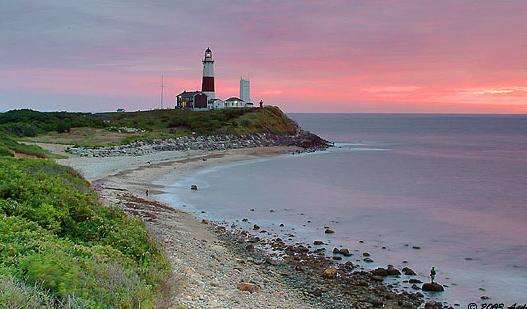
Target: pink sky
305	56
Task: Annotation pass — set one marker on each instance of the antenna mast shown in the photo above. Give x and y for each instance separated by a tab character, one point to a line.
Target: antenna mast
162	90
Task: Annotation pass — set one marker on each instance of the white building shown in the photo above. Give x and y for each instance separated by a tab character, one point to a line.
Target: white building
245	90
216	104
234	102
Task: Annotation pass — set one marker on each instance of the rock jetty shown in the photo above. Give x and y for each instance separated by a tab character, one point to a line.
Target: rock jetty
304	139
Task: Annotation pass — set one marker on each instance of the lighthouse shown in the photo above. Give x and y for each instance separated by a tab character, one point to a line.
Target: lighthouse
207	85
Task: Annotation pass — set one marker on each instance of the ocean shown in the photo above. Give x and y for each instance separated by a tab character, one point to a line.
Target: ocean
448	191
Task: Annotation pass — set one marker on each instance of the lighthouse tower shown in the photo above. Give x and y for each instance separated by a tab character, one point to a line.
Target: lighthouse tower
245	90
207	86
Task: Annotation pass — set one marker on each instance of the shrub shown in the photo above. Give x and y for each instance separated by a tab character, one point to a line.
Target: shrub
55	234
63	127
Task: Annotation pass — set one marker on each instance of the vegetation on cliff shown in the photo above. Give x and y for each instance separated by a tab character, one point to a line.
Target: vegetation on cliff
74	128
59	246
25	122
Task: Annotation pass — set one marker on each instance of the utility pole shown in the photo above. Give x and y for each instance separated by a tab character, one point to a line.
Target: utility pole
162	90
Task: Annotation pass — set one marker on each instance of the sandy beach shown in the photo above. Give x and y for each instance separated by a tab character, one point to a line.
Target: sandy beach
206	273
212	268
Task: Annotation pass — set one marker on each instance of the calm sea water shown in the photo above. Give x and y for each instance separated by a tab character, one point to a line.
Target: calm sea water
455	186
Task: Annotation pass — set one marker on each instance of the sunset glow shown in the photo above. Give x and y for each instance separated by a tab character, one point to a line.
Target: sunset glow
336	56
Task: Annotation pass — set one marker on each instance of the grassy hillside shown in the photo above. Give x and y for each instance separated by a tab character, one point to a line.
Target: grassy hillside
234	120
60	247
10	147
104	129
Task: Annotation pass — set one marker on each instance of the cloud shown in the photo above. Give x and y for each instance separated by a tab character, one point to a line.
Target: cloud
510	91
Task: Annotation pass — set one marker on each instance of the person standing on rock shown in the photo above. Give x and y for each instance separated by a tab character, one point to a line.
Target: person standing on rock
432	274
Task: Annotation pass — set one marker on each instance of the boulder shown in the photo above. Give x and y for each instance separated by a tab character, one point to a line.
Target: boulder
382	272
330	273
345	252
318	242
432	287
433	305
248	287
256	227
194	187
408	271
329	231
392	271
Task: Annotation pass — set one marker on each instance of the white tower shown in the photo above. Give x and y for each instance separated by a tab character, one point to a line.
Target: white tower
207	85
245	90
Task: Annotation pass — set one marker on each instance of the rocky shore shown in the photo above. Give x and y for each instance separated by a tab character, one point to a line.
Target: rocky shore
304	139
326	282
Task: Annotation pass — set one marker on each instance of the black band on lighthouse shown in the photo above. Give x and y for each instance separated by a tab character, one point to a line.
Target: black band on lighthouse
208	84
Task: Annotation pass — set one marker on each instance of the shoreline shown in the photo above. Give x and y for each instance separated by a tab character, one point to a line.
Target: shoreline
297	282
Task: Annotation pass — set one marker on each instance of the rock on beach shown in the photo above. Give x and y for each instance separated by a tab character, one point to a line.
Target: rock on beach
432	287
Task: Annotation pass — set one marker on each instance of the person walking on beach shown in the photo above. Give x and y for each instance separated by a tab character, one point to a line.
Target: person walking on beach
146	192
432	274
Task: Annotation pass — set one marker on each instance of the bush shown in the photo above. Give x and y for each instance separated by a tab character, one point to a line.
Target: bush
4	151
63	127
25	122
55	234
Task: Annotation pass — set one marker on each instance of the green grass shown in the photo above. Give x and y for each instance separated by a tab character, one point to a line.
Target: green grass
83	136
233	120
268	119
10	147
59	245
